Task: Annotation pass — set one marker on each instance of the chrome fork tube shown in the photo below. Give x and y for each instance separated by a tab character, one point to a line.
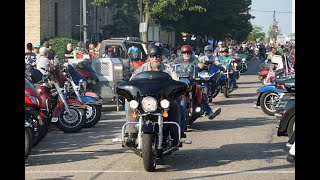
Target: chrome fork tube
62	97
140	132
160	135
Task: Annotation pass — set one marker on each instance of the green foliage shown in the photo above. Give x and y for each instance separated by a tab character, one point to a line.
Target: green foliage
221	18
60	44
124	25
256	33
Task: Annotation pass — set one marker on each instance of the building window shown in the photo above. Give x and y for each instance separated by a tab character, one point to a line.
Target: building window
55	19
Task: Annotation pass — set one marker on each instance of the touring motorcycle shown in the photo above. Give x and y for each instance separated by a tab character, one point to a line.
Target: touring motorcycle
149	94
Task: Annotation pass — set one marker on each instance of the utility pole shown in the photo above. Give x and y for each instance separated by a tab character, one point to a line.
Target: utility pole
84	13
274	26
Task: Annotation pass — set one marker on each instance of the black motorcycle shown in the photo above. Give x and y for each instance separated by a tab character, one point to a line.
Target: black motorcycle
149	94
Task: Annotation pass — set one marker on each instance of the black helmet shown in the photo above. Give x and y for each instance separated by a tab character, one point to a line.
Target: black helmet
154	49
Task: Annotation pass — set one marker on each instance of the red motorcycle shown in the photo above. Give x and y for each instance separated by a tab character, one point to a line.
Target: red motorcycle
33	114
68	113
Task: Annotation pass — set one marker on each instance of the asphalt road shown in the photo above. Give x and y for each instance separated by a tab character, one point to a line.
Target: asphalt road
240	143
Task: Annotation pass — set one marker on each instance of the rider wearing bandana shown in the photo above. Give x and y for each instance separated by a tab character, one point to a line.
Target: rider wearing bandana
154	63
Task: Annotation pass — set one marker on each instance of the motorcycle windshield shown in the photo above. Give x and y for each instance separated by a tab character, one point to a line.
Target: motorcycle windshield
224	61
151	83
85	66
74	74
29	86
184	70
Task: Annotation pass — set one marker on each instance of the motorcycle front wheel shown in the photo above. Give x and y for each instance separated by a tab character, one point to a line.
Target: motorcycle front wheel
148	156
268	101
73	122
28	142
93	115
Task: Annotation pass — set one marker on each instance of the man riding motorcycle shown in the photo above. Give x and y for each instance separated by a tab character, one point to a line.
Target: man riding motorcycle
226	60
186	58
154	63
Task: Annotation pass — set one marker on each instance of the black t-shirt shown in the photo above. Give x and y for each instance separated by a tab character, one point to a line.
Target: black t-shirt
68	52
51	54
30	57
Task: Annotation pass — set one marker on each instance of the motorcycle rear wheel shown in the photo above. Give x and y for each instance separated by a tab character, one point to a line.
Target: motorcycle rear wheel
148	156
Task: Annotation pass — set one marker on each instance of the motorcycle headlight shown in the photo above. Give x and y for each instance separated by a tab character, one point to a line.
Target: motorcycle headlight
133	104
149	104
164	103
243	59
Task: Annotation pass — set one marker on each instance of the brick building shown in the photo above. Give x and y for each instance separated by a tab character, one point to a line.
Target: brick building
45	19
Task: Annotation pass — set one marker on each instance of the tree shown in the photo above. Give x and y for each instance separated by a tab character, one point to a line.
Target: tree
158	9
256	33
124	25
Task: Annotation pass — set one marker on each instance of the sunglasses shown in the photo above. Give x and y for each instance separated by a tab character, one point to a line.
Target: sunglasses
208	51
186	52
155	55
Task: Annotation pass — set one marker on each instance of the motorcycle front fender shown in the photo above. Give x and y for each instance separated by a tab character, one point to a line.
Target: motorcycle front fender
269	87
70	102
90	100
93	94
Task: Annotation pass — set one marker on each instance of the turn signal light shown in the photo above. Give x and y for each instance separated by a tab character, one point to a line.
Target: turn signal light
165	114
134	115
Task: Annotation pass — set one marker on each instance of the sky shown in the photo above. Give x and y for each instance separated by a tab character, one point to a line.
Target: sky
263	12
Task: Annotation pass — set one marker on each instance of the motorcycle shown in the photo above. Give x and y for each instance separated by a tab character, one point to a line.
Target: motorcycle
85	69
150	94
76	88
268	97
27	139
68	113
33	115
187	74
209	79
241	63
225	79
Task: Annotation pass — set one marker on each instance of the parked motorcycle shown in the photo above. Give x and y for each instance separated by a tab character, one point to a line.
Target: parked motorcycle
68	113
27	138
150	94
76	88
85	69
268	97
33	115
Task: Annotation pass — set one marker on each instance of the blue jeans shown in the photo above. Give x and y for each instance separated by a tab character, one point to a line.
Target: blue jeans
183	111
183	108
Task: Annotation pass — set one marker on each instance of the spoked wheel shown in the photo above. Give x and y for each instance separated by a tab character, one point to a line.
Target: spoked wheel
268	102
93	115
28	142
149	157
73	122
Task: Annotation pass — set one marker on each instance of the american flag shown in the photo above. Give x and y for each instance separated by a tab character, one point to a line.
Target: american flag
271	76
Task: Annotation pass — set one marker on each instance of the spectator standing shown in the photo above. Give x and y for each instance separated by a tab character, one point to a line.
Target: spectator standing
30	56
43	61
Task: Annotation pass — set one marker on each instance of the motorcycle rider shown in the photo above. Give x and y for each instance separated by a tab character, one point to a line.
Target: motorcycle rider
208	55
154	63
186	58
226	60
